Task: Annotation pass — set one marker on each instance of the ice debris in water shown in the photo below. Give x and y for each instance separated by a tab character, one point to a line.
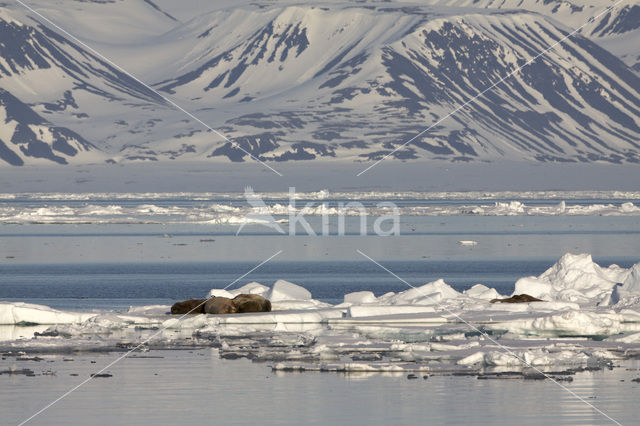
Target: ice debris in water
589	314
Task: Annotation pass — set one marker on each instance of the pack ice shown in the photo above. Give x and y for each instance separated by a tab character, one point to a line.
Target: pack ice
589	316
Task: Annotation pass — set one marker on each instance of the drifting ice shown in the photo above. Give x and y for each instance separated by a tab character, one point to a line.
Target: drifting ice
588	312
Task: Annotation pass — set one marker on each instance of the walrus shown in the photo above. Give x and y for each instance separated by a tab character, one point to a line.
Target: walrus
220	305
251	303
191	306
518	298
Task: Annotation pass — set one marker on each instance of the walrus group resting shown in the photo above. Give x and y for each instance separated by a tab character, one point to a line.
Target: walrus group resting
242	303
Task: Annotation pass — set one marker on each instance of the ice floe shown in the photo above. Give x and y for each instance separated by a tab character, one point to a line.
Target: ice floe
324	194
225	208
577	278
589	315
27	313
284	290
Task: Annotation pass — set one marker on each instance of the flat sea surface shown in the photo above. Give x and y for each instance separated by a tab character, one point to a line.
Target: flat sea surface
197	387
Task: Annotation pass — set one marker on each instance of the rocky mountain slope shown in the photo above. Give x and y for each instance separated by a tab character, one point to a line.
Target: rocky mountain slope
339	80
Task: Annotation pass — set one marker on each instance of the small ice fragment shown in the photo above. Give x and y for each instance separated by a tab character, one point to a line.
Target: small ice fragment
480	291
20	312
360	297
376	310
629	208
284	290
562	207
427	294
251	288
218	292
626	338
475	358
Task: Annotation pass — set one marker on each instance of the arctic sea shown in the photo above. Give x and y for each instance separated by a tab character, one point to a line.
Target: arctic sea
157	251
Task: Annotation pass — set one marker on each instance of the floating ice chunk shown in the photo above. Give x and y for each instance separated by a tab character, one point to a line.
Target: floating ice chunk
236	220
191	322
115	321
574	278
410	347
151	208
19	312
480	291
219	292
628	292
534	287
313	316
284	290
92	210
358	367
250	288
428	294
629	208
574	268
360	297
629	315
627	338
383	310
534	306
535	357
573	322
20	332
149	310
473	359
323	194
285	305
579	322
509	209
632	283
444	347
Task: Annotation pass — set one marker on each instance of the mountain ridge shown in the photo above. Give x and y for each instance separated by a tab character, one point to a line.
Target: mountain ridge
291	82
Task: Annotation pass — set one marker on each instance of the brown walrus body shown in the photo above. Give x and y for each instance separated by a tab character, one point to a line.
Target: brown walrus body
242	303
251	303
220	305
188	307
518	298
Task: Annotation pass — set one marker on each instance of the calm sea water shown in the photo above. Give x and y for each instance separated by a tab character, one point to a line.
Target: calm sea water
196	387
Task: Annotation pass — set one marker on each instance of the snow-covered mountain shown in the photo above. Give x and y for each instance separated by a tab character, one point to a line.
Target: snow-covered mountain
618	28
25	135
60	79
336	80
